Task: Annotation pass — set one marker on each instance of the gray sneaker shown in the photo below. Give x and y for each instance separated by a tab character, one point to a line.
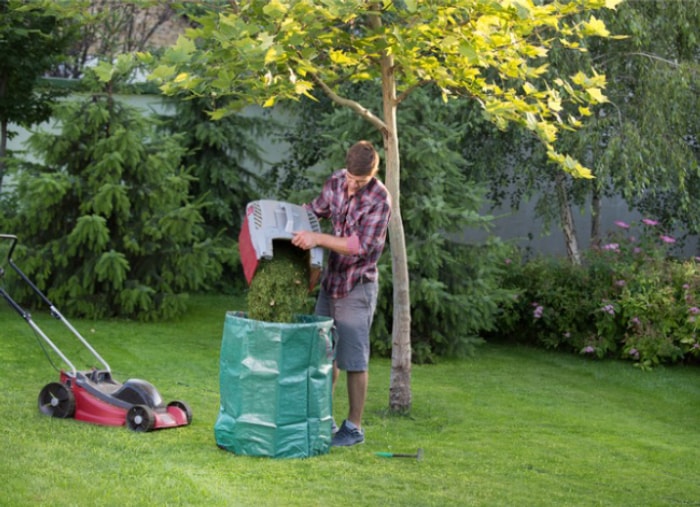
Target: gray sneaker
346	437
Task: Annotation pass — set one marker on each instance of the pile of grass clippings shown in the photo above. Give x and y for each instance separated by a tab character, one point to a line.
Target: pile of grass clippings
280	288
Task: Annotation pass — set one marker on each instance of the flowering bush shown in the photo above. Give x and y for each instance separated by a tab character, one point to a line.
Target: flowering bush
629	299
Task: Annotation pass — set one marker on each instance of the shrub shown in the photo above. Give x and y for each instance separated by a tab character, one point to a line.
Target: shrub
629	299
106	225
552	306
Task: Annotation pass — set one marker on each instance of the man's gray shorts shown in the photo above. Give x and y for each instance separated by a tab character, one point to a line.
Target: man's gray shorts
353	316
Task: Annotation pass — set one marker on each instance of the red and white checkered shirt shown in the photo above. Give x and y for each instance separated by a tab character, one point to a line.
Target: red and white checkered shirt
364	215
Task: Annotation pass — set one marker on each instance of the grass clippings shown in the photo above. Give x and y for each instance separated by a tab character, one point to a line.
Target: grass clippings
280	288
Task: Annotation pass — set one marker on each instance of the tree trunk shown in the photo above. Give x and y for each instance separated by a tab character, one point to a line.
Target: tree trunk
595	217
3	135
3	151
567	220
400	383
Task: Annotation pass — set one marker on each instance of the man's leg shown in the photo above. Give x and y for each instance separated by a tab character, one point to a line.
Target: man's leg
325	308
353	319
336	374
357	394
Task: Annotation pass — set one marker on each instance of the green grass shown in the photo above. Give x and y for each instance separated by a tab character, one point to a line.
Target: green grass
510	427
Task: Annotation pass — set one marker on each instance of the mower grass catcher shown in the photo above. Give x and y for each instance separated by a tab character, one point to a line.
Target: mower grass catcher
268	220
94	396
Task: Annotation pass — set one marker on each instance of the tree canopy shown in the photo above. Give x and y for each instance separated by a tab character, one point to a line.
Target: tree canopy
107	223
494	53
642	144
33	37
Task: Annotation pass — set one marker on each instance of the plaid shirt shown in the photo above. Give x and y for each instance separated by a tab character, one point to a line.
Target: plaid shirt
365	215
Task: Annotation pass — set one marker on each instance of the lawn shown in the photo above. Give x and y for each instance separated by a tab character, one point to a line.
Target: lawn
510	426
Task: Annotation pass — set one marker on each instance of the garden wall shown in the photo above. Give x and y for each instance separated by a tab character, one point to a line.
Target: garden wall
520	226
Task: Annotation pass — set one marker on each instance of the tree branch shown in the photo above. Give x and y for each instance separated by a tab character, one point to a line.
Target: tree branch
408	91
355	106
650	56
656	57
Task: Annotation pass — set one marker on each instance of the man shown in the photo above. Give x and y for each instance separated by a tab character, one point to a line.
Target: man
358	206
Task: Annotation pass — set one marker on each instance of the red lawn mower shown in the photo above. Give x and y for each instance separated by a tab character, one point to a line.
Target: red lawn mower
93	395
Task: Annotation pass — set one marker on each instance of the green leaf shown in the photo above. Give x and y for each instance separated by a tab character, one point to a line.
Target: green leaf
104	71
112	267
182	50
275	9
90	231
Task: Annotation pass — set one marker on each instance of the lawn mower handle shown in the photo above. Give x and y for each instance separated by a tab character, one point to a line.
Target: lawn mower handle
21	274
12	247
10	301
54	312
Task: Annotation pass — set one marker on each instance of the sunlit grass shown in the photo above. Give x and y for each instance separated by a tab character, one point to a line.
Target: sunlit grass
510	426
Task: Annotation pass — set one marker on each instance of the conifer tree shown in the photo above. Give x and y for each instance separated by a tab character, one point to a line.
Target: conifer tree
33	37
106	225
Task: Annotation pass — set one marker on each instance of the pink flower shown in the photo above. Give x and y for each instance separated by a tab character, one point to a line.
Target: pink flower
538	312
667	239
615	247
588	350
622	224
649	221
620	283
609	309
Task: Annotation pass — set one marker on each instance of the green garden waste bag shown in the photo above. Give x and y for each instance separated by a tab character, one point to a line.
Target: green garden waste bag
275	382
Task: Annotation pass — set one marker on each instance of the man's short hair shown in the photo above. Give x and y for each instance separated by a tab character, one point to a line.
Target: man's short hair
361	159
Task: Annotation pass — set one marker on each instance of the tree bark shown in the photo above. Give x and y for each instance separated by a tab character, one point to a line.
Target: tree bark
595	217
3	151
3	135
400	385
567	220
400	382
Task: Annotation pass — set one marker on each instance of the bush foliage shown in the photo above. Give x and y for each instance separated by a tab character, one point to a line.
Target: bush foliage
629	300
106	225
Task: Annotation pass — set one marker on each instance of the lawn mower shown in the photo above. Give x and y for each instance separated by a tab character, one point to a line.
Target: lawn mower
93	395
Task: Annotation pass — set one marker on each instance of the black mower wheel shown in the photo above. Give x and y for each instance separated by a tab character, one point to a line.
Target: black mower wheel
140	418
184	407
57	400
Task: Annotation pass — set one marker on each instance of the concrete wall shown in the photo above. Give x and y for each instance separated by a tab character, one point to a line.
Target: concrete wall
519	226
528	232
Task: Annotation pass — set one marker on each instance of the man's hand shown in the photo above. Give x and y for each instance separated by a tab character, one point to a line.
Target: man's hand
306	240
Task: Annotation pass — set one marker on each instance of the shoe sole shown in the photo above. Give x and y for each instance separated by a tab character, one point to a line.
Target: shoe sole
347	445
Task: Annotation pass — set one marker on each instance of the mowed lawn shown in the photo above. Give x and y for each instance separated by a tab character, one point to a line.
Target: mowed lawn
511	426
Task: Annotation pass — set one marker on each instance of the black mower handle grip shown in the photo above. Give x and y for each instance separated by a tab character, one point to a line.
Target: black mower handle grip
19	271
12	247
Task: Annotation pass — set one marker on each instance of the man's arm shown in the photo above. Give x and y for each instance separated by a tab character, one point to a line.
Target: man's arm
307	240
